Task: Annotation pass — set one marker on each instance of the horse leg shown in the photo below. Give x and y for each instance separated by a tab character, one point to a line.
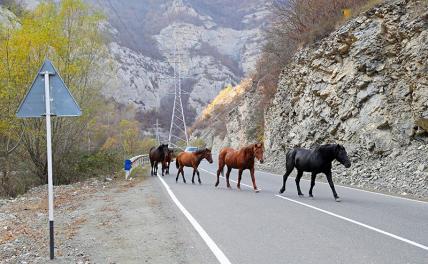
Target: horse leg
229	169
313	176
151	168
182	174
239	179
284	180
253	179
178	174
330	182
193	177
199	178
299	176
220	170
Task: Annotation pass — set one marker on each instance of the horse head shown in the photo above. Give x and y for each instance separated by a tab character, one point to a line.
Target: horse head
207	155
258	151
171	153
164	149
342	156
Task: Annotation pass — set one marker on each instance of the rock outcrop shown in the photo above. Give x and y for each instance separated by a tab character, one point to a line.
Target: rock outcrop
365	86
239	126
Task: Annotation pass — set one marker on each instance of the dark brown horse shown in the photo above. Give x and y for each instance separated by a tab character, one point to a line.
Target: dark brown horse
157	155
242	159
192	159
167	161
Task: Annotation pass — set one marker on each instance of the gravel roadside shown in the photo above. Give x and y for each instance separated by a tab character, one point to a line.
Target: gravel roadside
100	222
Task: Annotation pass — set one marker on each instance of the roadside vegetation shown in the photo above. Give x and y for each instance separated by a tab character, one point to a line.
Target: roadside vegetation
68	33
293	24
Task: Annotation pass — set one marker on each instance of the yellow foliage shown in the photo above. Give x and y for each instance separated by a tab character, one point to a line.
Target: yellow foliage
111	143
226	96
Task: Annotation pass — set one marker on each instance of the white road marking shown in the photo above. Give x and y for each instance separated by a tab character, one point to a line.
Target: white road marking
344	218
357	223
355	189
251	187
350	188
221	257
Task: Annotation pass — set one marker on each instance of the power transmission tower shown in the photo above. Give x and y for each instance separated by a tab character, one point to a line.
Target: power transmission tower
178	120
157	131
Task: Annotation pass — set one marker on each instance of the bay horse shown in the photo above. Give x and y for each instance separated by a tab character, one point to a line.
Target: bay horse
157	155
167	161
316	161
192	159
241	159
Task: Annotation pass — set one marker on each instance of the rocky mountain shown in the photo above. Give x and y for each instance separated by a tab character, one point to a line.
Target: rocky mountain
211	44
364	86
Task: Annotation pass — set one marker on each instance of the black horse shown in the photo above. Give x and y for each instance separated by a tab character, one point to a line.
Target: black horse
315	161
157	155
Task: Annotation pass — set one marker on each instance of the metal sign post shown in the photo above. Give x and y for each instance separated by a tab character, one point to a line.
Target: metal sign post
38	102
49	158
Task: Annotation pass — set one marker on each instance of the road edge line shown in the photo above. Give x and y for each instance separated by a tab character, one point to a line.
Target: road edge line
218	253
357	223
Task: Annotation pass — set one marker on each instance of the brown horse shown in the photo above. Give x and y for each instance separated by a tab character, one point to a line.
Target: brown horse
239	159
192	159
167	161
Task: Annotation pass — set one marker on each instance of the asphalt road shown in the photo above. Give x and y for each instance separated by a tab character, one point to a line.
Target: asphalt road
264	227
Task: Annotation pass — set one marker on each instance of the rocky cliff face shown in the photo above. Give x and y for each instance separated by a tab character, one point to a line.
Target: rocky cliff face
215	47
365	86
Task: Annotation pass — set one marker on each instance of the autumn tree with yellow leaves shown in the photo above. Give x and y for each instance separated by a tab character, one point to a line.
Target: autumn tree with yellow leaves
68	33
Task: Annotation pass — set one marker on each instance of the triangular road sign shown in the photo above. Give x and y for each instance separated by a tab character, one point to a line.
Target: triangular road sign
62	102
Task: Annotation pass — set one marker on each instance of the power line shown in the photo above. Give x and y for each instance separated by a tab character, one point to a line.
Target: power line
125	27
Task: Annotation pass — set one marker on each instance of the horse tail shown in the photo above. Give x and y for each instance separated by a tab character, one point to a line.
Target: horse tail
221	161
290	160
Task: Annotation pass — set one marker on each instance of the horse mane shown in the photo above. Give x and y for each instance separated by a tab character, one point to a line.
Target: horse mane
325	146
200	151
328	147
248	149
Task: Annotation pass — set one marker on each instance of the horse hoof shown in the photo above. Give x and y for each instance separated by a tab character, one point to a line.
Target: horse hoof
193	182
282	191
257	190
301	195
337	199
311	196
200	182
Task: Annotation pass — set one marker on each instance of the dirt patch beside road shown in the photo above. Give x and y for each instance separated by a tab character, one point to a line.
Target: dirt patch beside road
101	222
